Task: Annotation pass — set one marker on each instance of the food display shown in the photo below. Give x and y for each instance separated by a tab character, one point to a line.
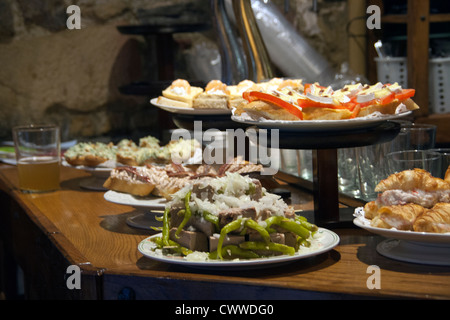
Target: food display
411	200
291	99
230	217
127	152
216	95
316	102
90	154
164	181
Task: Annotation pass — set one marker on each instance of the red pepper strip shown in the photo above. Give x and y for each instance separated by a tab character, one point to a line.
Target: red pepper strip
256	95
405	94
355	112
307	88
388	99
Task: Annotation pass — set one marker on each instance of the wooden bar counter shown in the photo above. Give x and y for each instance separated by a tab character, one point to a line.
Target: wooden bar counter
46	233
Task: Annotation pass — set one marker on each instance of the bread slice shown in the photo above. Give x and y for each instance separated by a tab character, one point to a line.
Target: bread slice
136	188
389	108
211	101
181	90
257	109
171	103
326	114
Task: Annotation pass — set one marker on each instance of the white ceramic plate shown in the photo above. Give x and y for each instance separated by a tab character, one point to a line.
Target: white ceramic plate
190	111
319	125
324	241
415	252
150	202
423	237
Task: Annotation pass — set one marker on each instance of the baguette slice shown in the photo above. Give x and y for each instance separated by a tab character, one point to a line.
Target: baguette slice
136	188
181	90
257	109
171	102
211	101
389	108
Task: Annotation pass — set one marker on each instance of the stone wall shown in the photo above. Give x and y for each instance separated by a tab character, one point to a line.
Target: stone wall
71	77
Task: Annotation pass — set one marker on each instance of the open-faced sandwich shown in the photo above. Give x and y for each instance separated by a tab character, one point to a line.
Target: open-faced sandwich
231	217
215	96
315	102
127	152
90	154
411	200
179	94
164	181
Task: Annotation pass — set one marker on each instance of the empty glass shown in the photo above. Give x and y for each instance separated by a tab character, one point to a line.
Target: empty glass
411	159
445	160
421	136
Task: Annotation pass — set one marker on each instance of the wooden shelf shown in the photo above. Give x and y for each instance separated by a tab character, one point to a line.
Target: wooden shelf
417	19
403	18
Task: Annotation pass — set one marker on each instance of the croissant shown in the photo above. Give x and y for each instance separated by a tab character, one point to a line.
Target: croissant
370	210
412	179
447	175
378	223
401	217
436	219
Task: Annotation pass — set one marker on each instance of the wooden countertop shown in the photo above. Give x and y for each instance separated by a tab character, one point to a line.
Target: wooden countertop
86	230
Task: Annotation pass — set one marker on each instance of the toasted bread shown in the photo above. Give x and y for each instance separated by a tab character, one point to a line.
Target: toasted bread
211	101
389	108
131	187
181	90
172	103
257	109
326	114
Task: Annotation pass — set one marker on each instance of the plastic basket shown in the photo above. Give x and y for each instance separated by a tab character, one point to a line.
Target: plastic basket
395	69
392	69
439	81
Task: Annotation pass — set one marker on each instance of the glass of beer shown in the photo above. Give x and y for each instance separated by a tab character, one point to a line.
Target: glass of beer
38	150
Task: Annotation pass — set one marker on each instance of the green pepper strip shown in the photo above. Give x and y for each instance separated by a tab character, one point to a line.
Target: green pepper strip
187	214
272	220
302	220
295	228
177	248
171	245
165	230
211	218
233	225
255	226
257	245
234	251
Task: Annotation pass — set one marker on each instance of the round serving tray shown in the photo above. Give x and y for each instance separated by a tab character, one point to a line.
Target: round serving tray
324	139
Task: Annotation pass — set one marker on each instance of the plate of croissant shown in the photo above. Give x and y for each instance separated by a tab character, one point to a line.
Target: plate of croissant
411	205
412	211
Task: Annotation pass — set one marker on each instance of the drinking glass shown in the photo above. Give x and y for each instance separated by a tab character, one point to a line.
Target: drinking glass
421	136
411	159
372	167
348	179
38	157
445	160
305	166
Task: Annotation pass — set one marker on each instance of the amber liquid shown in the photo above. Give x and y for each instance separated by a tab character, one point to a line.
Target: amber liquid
38	174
